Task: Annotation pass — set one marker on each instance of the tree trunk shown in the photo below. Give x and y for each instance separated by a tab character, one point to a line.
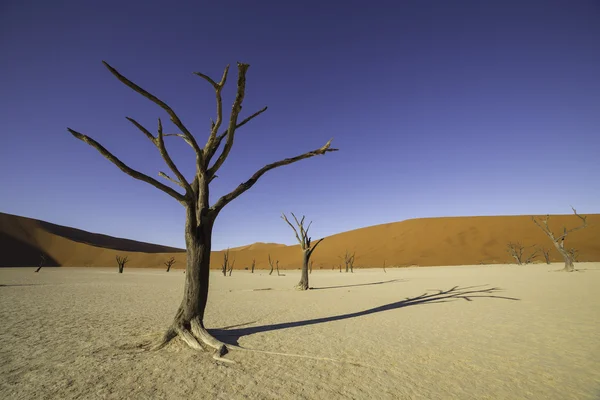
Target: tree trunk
569	267
303	284
197	273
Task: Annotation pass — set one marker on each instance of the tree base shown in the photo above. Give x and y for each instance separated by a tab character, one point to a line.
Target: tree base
193	337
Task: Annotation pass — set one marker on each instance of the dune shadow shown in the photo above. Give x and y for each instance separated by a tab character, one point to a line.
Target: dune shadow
232	336
358	284
18	253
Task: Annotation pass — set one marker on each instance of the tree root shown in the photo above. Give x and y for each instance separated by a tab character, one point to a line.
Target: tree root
197	334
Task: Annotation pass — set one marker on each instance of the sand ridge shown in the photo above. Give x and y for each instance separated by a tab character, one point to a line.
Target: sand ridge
421	242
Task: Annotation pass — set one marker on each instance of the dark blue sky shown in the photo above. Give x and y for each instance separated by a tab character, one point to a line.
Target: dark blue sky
439	108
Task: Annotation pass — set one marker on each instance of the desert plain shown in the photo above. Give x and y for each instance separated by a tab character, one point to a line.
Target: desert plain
452	332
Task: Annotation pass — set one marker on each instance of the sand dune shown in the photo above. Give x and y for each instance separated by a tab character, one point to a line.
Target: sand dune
524	334
420	242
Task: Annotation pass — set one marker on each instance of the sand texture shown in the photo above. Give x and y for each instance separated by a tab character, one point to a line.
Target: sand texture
70	333
419	242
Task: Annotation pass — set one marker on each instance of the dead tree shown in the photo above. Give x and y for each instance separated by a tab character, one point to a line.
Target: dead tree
170	263
272	265
546	254
230	270
517	251
305	244
253	265
225	266
574	254
42	262
121	261
200	215
349	261
559	241
384	267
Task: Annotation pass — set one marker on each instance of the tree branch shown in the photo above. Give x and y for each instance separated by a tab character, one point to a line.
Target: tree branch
123	167
219	139
315	246
215	125
235	111
159	142
293	227
174	118
226	199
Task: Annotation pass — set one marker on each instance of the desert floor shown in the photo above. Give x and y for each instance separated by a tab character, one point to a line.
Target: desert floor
70	333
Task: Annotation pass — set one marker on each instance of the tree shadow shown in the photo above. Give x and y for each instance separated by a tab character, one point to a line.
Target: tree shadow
21	284
358	284
232	336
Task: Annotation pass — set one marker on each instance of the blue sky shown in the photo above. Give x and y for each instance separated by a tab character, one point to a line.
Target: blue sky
439	108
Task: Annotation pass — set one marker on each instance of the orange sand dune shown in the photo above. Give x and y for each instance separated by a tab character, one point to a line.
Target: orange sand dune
422	242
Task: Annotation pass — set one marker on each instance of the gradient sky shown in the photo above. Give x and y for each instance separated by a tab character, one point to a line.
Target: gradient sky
439	108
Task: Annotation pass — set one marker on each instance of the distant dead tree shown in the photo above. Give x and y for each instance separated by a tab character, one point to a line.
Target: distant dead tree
517	251
574	254
121	261
170	263
253	265
305	244
230	270
559	241
349	261
188	322
42	262
225	266
546	254
384	267
271	265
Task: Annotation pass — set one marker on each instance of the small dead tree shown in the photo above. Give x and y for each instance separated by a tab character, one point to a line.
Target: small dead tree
253	265
170	263
121	261
559	241
230	270
384	267
349	261
517	251
277	267
574	254
225	266
188	322
42	262
271	265
546	254
305	244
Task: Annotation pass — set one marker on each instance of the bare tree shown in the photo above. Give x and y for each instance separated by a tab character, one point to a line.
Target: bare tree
121	261
42	262
559	241
349	261
170	263
271	265
384	267
517	251
305	244
574	254
546	254
200	215
225	266
230	270
253	265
